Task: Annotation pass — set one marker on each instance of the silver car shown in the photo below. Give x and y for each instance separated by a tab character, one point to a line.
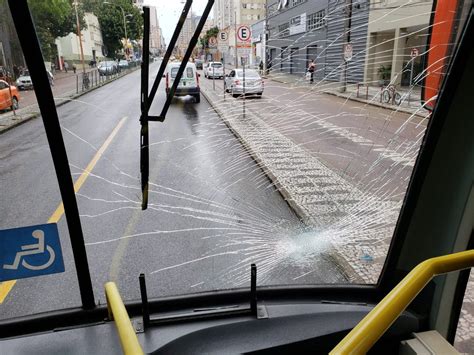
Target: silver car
234	82
214	70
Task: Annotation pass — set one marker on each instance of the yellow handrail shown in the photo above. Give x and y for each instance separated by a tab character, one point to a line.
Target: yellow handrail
118	313
373	326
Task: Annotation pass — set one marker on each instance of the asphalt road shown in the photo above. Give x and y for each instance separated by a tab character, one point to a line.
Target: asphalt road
212	211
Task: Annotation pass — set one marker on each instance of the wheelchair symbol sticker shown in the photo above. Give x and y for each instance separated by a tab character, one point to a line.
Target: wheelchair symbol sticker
30	251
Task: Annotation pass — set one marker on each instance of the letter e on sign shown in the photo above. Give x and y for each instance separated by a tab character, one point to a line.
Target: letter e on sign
243	33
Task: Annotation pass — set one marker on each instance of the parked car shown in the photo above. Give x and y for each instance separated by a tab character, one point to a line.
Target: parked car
199	64
9	96
234	82
108	67
24	81
214	70
123	64
189	83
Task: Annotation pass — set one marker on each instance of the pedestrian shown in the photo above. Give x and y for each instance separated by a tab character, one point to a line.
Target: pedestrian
311	69
16	71
261	67
66	66
74	68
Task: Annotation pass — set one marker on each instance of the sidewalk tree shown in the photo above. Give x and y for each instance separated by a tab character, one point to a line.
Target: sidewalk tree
111	21
212	32
53	19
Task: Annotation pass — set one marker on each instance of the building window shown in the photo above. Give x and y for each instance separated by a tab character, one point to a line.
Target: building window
316	20
297	2
284	30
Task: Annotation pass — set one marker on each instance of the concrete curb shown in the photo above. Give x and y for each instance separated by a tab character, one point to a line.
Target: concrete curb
349	272
32	115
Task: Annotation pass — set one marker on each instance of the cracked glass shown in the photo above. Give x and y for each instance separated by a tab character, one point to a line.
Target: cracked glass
302	172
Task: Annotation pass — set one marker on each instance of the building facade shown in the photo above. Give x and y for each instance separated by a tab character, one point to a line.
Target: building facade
185	36
300	31
258	43
390	43
297	32
156	37
229	15
92	44
339	28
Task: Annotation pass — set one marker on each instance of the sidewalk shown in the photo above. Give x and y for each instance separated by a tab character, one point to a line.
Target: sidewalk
66	88
411	97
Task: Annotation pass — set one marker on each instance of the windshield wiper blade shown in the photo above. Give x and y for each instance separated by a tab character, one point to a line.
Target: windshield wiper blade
147	99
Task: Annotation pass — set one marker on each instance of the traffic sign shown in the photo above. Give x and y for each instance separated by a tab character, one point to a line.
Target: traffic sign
347	52
212	42
223	36
414	53
30	251
243	33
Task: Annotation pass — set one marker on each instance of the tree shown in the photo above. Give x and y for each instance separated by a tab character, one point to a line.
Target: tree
212	32
53	19
112	22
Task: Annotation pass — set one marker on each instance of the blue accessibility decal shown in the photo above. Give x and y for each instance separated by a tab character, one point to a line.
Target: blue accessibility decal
30	251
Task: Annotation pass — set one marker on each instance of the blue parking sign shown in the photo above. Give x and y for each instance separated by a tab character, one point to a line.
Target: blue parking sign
30	251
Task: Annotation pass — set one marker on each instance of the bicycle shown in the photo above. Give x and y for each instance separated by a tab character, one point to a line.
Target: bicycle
85	81
390	95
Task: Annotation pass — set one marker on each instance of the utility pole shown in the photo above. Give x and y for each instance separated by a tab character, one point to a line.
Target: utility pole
347	32
235	33
78	25
266	34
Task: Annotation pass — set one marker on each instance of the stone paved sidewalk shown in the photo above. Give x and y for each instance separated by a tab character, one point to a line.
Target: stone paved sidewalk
321	197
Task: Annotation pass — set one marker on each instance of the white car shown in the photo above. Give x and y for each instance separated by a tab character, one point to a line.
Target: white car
189	83
234	82
24	82
214	70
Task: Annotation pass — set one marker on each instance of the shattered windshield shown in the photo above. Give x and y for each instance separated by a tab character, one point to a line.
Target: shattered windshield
303	174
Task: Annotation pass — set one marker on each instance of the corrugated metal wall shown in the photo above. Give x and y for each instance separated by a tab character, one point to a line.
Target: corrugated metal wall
336	38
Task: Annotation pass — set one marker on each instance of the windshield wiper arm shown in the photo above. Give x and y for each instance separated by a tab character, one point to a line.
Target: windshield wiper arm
147	99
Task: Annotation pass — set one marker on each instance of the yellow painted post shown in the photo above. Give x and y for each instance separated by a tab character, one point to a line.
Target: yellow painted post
128	338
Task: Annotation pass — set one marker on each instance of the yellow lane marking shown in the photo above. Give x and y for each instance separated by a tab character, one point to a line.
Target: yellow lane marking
6	286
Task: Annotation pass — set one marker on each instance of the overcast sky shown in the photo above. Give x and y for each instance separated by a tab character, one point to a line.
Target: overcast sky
168	13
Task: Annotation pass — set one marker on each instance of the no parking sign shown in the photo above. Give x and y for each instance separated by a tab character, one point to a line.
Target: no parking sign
243	33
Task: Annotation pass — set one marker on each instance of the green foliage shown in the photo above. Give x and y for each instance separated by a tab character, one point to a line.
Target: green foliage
213	32
385	72
54	18
111	20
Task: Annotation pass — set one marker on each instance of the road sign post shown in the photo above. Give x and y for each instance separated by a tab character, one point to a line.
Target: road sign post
414	53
